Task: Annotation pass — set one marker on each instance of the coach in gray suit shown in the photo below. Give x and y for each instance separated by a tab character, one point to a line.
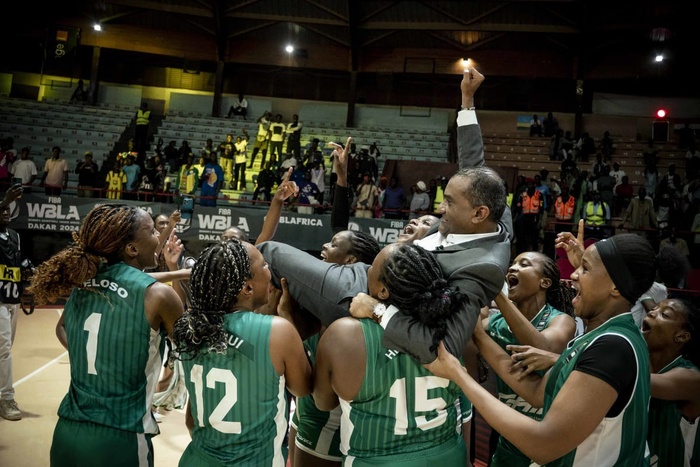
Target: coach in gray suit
471	243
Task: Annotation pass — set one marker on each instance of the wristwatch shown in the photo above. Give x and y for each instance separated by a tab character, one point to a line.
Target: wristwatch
378	312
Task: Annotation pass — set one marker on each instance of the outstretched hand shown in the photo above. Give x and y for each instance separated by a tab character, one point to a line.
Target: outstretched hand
340	164
286	188
527	359
445	365
573	246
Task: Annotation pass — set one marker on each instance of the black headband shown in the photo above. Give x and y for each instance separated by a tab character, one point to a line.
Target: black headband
617	269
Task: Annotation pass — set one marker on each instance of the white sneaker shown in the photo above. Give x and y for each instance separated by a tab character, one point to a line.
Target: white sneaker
9	410
158	416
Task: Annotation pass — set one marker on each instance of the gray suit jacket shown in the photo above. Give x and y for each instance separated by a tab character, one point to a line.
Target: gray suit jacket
477	268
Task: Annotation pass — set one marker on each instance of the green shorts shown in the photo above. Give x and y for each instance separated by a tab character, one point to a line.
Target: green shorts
448	454
318	431
85	444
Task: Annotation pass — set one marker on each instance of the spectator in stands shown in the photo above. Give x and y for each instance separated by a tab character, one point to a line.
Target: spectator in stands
148	181
80	94
555	148
211	180
262	138
367	163
227	152
87	176
308	195
535	126
420	203
115	180
171	156
564	208
550	125
209	146
672	240
183	152
294	136
617	173
567	145
568	169
160	146
651	179
55	177
133	177
623	195
598	166
143	121
671	184
240	158
366	195
394	200
277	134
374	153
265	182
607	146
546	197
596	214
187	178
640	213
527	212
585	147
239	107
5	165
25	169
605	185
318	176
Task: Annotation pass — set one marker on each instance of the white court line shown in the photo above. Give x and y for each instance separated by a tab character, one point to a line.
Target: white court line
39	370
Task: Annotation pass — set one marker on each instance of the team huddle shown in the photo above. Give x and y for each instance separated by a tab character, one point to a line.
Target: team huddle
381	350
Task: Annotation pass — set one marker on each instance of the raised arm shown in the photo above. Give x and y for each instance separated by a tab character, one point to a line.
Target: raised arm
285	189
340	213
553	338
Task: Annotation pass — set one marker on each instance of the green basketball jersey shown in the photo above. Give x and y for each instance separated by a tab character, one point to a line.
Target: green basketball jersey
501	333
115	356
237	399
401	408
674	441
616	441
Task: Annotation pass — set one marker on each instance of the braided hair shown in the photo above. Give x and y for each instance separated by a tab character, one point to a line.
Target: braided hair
216	280
418	288
104	233
364	246
559	294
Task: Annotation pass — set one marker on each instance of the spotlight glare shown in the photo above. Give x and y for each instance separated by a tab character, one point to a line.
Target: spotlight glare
97	27
289	49
659	58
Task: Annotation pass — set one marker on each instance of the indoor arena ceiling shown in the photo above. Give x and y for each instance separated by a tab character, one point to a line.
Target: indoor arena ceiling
587	29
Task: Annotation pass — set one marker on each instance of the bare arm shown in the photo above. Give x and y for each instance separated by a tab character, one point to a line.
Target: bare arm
553	338
340	363
583	398
289	357
272	220
163	307
678	384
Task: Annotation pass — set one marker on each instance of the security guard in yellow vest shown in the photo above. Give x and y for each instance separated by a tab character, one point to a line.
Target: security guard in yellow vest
143	120
596	215
439	193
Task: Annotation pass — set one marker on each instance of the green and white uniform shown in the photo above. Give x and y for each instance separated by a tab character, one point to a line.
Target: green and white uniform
115	358
619	440
237	399
674	441
403	415
507	455
318	431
